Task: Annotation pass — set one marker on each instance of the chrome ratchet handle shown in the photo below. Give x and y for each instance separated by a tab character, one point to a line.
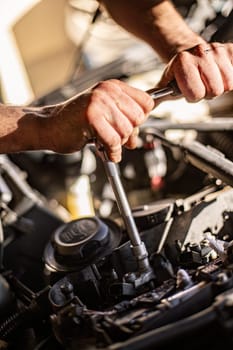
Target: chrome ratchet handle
137	245
171	90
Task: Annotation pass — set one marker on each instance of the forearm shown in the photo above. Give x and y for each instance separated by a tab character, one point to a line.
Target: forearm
156	22
23	129
110	111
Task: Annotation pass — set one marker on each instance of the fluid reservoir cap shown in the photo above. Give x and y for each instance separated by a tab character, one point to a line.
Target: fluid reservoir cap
71	237
80	243
78	231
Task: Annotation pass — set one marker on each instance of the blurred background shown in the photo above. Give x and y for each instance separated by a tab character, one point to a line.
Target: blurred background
46	43
41	43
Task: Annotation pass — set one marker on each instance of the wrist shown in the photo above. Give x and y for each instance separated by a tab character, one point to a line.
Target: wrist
186	45
35	128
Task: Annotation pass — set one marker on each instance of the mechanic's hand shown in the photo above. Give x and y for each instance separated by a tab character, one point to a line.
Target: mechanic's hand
111	112
204	71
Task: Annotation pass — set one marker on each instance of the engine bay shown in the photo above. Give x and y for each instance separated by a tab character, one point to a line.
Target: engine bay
155	274
83	283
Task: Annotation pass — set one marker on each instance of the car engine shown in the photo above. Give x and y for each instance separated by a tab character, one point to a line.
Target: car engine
87	283
152	266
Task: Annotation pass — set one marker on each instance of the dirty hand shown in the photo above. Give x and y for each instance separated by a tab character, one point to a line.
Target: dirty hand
111	112
204	71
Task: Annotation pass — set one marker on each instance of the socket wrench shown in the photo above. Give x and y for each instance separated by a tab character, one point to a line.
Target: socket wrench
137	245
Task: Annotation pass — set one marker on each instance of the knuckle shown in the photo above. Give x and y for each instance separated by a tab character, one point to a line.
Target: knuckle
181	57
96	97
115	142
105	85
126	131
108	85
217	91
148	103
196	96
139	118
